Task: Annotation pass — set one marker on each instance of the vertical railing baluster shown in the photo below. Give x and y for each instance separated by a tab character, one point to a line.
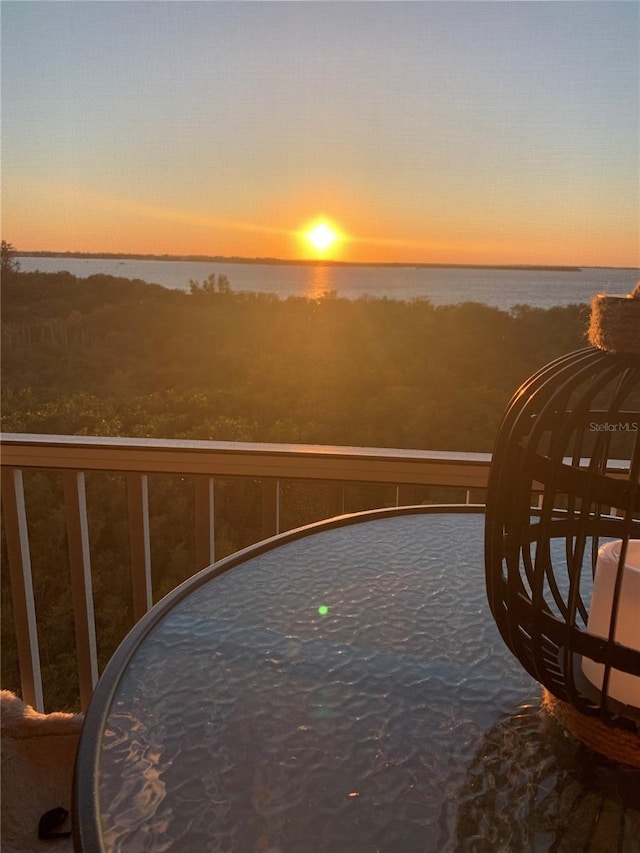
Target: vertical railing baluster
336	498
204	522
270	508
81	588
139	543
24	610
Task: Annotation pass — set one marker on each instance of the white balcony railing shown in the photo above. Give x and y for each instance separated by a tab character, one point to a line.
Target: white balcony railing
204	461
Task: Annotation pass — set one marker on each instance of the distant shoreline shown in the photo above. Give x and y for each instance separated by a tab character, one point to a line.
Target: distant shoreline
220	259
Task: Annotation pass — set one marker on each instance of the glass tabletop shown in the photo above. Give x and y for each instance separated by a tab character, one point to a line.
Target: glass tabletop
340	689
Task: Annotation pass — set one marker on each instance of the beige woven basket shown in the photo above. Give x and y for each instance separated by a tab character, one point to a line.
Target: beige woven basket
615	322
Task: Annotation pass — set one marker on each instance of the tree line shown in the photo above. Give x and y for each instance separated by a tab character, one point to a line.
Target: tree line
118	357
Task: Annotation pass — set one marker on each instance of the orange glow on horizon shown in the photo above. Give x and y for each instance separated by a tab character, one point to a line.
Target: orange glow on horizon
78	219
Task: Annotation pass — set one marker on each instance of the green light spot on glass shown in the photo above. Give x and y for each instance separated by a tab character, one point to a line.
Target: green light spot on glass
323	610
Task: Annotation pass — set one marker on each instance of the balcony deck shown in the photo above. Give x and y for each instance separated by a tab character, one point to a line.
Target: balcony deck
400	478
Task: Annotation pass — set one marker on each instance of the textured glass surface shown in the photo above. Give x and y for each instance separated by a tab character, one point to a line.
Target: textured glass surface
349	692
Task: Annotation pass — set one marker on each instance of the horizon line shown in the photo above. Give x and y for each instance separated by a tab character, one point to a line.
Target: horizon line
305	261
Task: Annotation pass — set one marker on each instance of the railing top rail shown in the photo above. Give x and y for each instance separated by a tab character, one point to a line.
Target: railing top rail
245	459
13	439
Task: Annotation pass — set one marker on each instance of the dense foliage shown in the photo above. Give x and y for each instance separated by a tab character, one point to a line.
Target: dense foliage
116	357
106	356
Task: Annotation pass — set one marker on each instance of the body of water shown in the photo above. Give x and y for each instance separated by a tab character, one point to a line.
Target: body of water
500	288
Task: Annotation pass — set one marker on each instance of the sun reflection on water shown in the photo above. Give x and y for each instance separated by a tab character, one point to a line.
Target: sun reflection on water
320	282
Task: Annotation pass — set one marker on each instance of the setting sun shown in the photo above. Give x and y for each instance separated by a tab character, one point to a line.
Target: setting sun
322	236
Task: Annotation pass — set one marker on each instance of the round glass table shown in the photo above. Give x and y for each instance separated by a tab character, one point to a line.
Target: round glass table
338	688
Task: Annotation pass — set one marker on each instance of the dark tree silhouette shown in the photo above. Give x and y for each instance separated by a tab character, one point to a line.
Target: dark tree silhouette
9	262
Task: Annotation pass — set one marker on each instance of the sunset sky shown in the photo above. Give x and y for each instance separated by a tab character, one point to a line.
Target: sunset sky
480	132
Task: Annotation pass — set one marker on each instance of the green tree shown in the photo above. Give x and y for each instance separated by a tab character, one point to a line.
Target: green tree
9	262
210	285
